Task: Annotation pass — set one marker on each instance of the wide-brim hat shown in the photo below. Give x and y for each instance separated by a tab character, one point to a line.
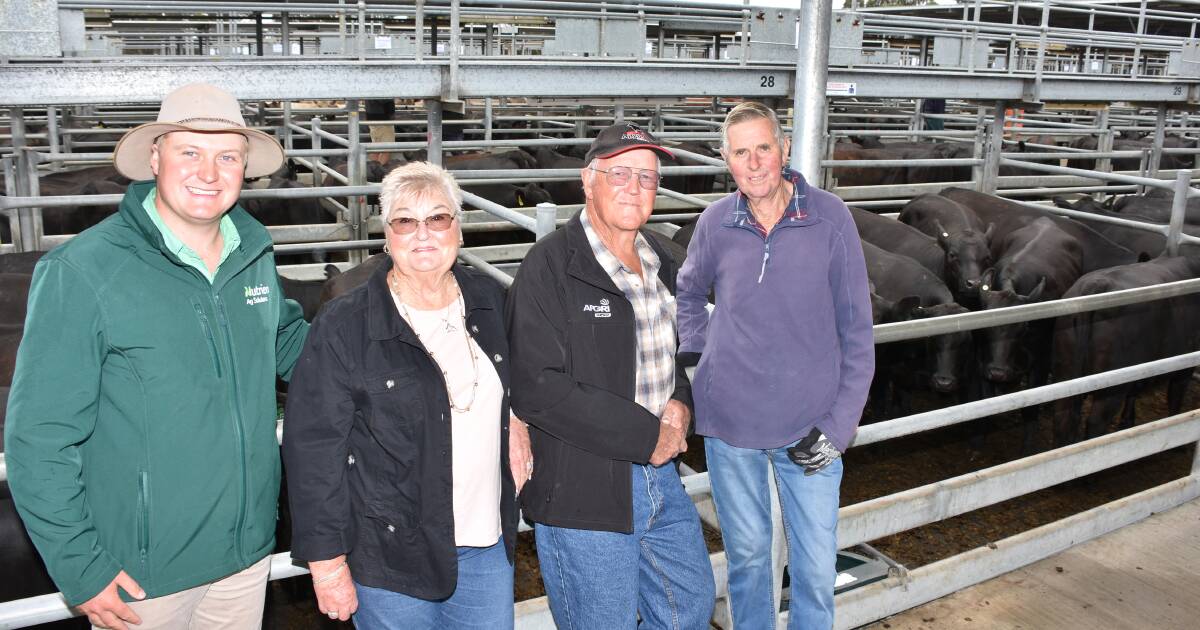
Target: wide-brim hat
203	108
621	137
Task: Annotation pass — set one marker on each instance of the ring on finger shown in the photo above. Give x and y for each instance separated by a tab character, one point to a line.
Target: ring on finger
333	614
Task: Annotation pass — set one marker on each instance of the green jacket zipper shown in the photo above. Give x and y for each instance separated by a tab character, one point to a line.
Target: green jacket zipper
238	423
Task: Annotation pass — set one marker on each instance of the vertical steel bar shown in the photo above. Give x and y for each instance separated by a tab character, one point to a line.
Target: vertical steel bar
991	150
356	174
1160	123
547	218
1087	51
641	51
1104	141
285	33
1137	46
10	183
812	68
419	34
342	24
360	38
286	126
1183	178
1041	53
745	35
31	218
52	134
914	123
618	113
433	109
487	119
1012	40
455	40
316	159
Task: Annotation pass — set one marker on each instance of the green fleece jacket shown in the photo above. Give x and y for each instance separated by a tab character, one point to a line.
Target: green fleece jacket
141	421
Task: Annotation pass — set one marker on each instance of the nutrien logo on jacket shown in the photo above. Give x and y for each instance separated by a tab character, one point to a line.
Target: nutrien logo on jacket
257	295
599	310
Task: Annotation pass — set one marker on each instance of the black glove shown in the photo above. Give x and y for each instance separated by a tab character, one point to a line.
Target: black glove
814	452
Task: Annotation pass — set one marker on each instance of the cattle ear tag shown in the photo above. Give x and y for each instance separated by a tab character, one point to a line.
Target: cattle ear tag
520	200
390	383
983	288
945	235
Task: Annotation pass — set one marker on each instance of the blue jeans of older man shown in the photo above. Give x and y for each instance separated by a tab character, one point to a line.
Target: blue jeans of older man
597	579
740	478
482	599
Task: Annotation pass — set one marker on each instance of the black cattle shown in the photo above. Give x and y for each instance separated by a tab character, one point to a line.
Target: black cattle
1146	245
1098	251
1133	144
1098	341
1040	263
279	211
14	293
563	193
914	292
507	195
75	219
900	238
306	292
893	175
339	282
1155	206
965	239
20	262
695	184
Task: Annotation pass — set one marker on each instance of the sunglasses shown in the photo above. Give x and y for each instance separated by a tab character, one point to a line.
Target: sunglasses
439	222
619	176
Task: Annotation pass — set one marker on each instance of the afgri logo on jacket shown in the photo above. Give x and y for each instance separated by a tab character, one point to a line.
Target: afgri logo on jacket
257	295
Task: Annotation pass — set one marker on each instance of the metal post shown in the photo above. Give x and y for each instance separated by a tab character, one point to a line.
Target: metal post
1183	178
1087	51
10	183
420	28
487	118
433	35
641	51
258	32
30	218
356	174
745	34
68	122
316	159
434	109
342	24
285	34
618	113
547	219
1104	142
1041	53
991	151
455	38
1137	46
286	127
581	125
360	38
1160	122
914	123
52	134
812	68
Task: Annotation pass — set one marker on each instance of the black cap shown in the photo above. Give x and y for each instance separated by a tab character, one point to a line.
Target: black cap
621	137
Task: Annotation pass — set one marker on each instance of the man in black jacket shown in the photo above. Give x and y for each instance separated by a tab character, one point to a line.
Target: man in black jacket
592	337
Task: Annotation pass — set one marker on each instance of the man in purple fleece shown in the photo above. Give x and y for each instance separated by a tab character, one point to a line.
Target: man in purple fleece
785	362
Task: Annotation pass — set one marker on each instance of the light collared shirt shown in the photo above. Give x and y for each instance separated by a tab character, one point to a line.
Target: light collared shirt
653	309
188	256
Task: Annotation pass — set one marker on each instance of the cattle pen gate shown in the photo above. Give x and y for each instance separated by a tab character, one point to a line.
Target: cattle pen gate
549	72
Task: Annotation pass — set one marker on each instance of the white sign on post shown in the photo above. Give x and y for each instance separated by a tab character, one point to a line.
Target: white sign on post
383	42
840	89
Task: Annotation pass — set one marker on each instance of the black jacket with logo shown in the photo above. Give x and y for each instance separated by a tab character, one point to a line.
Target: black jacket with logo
366	441
572	336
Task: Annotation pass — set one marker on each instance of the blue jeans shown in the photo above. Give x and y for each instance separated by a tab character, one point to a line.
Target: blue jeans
604	580
739	478
482	599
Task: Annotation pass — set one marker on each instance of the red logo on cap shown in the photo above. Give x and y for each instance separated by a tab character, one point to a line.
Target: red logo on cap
635	134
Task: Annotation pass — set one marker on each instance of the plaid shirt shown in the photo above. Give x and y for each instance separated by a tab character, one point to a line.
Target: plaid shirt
654	312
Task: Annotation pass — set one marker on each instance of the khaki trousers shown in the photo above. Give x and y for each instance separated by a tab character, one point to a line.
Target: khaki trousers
232	602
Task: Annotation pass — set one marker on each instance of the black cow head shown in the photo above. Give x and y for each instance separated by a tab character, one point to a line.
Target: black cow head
968	253
949	352
1004	358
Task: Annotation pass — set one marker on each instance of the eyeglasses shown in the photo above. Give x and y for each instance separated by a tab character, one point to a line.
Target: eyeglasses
619	176
439	222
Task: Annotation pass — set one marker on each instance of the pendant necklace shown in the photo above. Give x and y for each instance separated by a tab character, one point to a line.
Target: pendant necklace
449	327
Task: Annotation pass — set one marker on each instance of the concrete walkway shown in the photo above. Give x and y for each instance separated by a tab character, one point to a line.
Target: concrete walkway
1145	575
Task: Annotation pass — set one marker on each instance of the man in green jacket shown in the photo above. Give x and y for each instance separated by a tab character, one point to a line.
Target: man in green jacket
140	436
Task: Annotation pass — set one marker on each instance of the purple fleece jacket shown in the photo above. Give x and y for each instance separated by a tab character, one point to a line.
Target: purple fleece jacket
789	345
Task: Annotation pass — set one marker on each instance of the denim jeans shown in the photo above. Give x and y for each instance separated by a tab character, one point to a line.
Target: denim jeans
482	599
604	580
739	478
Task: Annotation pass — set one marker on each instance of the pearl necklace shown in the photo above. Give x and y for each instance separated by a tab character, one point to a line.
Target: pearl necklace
394	285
